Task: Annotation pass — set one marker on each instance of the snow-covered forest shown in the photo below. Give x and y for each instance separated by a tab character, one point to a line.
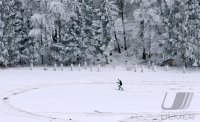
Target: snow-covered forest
99	31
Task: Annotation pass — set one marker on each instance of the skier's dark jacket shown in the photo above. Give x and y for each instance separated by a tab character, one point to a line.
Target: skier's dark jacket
120	82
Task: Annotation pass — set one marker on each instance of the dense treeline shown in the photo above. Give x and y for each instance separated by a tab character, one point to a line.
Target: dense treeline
75	31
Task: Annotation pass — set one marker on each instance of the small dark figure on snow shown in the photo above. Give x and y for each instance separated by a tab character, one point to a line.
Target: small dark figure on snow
120	85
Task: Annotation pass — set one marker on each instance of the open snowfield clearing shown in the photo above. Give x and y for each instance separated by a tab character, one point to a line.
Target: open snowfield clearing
84	96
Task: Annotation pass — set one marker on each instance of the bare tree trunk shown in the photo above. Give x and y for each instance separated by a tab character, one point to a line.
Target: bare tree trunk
55	39
42	55
114	31
116	39
150	29
122	5
142	38
59	29
124	32
2	18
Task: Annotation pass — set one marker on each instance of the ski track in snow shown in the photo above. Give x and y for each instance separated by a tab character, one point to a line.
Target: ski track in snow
136	117
20	112
130	117
17	111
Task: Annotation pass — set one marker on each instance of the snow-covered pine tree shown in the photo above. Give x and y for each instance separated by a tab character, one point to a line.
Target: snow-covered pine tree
22	27
73	38
88	32
192	53
182	24
147	17
4	56
14	32
7	31
58	14
87	11
36	36
102	30
112	13
13	42
38	44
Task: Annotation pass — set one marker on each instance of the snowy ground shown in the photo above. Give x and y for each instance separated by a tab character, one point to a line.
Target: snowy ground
84	96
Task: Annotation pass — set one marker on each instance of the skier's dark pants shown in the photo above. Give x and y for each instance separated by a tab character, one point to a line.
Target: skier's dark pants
120	87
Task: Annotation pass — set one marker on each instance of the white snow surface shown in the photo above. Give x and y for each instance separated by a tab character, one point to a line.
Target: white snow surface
84	96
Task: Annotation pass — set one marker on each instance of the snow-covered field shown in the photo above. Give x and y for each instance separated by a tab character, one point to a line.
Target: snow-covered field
85	96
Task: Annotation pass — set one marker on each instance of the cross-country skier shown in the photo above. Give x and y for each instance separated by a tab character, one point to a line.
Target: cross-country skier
120	85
